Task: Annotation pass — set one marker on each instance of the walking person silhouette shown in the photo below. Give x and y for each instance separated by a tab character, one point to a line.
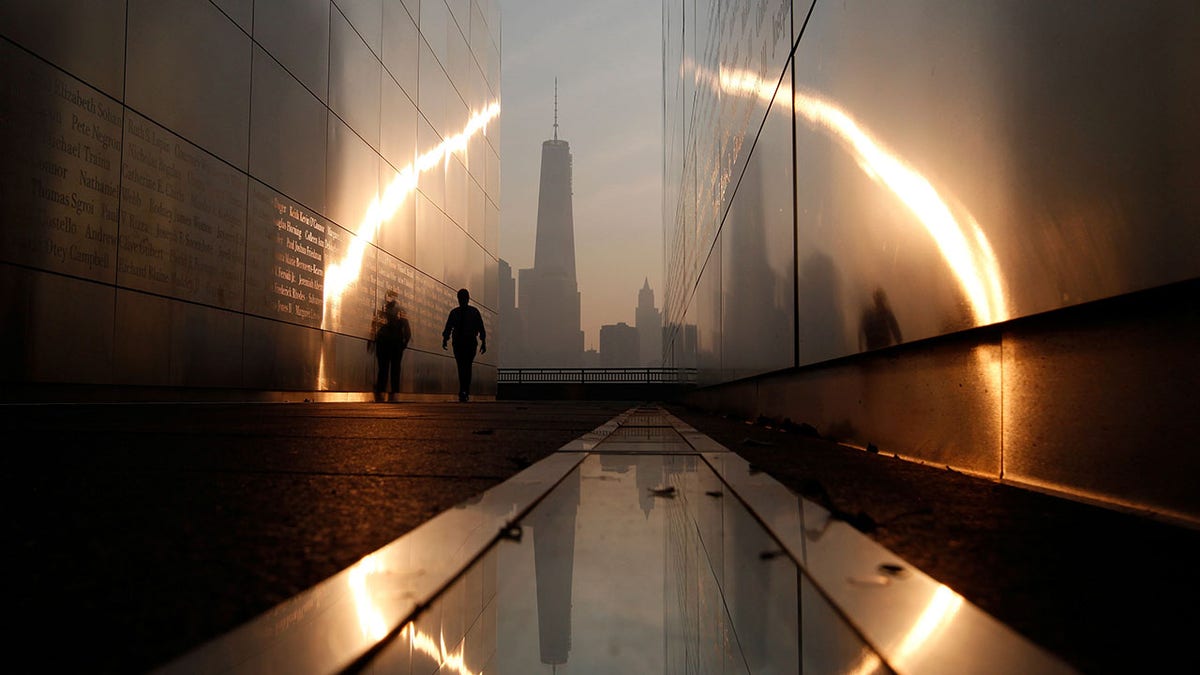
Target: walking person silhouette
463	324
391	338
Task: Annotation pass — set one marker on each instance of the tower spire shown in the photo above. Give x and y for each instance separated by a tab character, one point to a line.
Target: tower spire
556	108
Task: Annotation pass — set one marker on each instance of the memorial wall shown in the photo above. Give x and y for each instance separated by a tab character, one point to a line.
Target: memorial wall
965	233
218	196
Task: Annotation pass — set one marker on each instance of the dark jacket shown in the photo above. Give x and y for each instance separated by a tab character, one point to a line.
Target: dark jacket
395	332
463	324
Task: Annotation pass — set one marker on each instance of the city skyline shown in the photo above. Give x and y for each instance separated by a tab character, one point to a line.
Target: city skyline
616	142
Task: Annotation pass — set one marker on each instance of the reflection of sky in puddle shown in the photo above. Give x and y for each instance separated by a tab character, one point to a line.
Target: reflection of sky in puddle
616	571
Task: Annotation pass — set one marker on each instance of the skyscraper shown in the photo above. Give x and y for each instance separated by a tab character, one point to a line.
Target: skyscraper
648	320
549	292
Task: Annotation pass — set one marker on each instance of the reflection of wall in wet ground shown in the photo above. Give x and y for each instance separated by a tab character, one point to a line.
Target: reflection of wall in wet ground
1016	177
196	213
692	584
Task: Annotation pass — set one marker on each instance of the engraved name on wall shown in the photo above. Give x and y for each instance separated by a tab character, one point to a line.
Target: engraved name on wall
285	258
59	185
182	219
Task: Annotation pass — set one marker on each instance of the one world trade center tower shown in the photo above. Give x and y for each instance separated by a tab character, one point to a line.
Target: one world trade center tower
549	292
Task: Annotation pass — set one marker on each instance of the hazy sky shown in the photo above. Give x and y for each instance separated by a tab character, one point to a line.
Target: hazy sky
607	57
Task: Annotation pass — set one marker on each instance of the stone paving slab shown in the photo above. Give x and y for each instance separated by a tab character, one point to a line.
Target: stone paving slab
142	530
1109	592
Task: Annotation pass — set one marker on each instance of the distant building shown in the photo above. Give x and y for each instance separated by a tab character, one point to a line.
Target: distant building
591	359
618	346
548	291
648	322
510	334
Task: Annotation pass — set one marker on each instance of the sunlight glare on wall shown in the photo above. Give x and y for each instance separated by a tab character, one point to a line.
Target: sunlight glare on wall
340	275
959	238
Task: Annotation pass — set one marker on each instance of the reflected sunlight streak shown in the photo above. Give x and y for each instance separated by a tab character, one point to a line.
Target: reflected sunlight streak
868	663
370	620
942	607
375	628
447	661
340	275
970	258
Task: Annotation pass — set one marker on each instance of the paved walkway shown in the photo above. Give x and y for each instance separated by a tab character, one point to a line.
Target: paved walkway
143	530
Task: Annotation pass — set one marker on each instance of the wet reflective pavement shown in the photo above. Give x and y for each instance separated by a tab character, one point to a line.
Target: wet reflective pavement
426	536
629	550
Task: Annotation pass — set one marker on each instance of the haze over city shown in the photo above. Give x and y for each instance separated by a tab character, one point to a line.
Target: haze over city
610	111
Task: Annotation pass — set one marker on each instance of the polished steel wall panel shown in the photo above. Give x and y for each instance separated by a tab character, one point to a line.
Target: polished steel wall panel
955	167
354	80
1122	377
476	223
413	7
352	175
366	18
433	302
350	290
434	24
491	13
400	46
477	267
459	258
60	177
280	355
478	35
430	373
183	211
296	33
491	282
346	365
84	38
196	81
395	277
285	258
241	11
432	92
941	404
710	339
432	181
483	375
477	146
459	64
223	185
491	184
398	126
398	228
206	346
1033	187
456	192
287	134
431	239
491	223
142	342
757	319
460	11
56	328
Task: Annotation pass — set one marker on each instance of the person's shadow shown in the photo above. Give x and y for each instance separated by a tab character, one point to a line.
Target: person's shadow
878	327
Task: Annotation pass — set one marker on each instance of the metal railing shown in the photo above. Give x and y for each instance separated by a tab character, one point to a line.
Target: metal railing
596	376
